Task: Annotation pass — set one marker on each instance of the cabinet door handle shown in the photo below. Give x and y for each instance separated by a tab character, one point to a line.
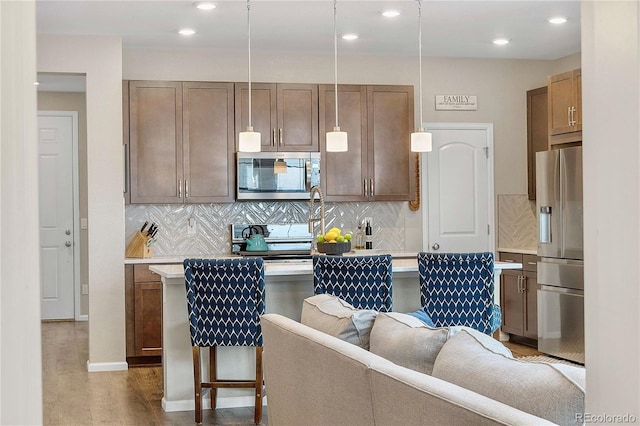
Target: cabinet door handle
371	187
273	138
569	116
280	132
186	188
179	188
364	187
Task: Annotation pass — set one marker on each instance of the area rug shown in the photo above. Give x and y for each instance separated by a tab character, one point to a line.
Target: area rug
550	359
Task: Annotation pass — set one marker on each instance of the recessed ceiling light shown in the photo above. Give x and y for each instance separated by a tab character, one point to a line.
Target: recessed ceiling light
204	5
187	32
501	41
557	20
350	36
390	13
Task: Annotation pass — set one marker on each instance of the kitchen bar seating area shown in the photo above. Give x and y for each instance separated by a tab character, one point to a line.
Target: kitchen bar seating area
287	285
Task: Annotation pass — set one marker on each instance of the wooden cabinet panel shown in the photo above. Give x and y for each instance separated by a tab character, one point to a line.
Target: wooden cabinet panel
155	141
344	174
129	305
297	117
208	138
511	301
531	305
286	115
390	123
510	257
530	262
264	112
519	296
143	310
125	139
181	142
378	165
565	107
148	319
537	133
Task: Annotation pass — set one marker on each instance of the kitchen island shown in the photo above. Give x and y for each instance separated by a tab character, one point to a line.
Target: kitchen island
287	284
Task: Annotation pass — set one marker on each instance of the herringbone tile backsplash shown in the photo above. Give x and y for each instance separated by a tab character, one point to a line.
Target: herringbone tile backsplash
517	222
212	235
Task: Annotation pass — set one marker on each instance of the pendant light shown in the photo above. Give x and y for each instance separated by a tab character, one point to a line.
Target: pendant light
336	140
420	140
249	141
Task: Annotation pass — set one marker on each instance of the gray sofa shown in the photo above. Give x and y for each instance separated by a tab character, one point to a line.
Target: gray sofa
328	377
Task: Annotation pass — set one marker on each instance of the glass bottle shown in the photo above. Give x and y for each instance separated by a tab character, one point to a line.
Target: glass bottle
368	232
358	238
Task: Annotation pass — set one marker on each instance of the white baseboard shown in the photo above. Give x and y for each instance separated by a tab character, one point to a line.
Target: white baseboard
229	402
93	367
83	318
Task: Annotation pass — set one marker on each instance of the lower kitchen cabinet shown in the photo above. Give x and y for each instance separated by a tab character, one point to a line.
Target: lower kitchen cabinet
519	293
143	307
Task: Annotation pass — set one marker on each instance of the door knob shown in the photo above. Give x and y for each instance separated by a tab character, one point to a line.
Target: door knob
435	246
67	232
67	243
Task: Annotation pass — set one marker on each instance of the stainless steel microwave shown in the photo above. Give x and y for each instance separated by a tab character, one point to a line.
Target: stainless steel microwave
276	175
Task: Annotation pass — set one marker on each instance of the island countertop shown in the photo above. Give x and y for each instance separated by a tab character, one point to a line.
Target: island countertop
305	267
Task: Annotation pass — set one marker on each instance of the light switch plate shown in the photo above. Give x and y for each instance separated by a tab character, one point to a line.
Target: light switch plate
85	288
83	223
191	226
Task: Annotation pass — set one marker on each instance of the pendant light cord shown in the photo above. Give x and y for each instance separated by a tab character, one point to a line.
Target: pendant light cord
249	55
420	55
335	53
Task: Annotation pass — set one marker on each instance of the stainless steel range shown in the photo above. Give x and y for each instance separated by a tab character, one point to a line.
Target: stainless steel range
284	241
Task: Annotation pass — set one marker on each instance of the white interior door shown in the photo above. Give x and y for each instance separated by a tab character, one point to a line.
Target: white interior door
459	180
56	134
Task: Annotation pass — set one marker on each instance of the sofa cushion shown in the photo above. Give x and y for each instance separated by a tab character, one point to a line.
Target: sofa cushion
553	392
405	340
338	318
484	340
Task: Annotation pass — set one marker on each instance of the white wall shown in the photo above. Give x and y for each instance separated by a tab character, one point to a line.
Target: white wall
20	358
611	104
100	59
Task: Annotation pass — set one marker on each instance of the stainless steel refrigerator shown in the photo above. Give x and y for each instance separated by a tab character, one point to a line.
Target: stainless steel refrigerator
560	246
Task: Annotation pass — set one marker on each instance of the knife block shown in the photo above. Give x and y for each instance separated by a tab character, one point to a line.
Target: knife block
137	247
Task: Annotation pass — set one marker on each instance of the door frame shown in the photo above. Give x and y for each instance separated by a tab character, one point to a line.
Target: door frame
76	204
424	179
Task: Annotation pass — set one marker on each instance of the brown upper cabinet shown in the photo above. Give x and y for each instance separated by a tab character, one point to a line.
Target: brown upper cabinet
285	115
565	107
125	140
181	138
378	165
537	132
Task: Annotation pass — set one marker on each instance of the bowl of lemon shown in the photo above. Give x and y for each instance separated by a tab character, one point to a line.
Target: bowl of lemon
334	242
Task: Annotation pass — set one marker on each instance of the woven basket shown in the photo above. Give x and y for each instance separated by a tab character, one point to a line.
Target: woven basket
334	248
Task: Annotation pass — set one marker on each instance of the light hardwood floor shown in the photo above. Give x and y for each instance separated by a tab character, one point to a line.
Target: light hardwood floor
72	396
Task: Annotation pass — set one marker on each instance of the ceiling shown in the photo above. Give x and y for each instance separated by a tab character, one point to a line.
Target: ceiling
450	28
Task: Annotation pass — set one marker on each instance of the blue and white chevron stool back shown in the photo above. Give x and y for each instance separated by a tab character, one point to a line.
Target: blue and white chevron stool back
362	281
225	298
458	289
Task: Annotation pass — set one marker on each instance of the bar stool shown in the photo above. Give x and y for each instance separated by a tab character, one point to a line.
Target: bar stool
458	289
225	299
363	281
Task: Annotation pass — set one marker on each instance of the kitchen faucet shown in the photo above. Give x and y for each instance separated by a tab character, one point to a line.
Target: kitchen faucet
312	193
